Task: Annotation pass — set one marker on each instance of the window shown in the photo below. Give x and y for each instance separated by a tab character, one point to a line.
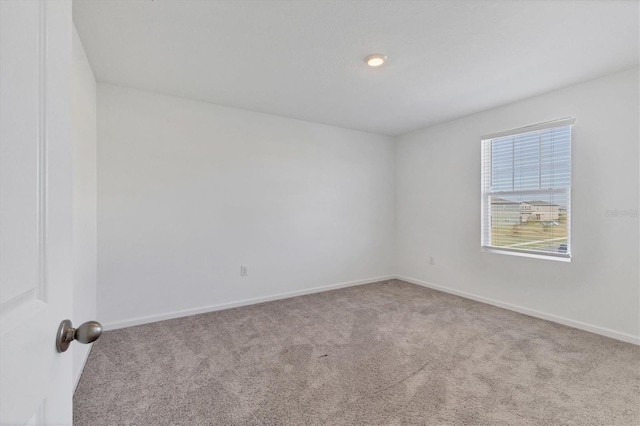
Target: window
526	191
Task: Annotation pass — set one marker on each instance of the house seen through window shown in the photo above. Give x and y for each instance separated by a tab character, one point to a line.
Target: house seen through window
526	190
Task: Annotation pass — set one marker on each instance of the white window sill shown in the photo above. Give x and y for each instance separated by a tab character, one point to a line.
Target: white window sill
533	254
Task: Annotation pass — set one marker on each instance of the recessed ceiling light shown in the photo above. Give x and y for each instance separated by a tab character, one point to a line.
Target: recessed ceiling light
375	60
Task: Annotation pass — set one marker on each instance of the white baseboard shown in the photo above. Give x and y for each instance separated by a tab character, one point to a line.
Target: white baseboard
520	309
76	379
204	309
531	312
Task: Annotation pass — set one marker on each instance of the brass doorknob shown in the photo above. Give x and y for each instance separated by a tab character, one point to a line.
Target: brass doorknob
86	333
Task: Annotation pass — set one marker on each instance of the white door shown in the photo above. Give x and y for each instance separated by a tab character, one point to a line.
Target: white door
35	210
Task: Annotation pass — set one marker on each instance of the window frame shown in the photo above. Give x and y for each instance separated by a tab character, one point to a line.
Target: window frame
486	225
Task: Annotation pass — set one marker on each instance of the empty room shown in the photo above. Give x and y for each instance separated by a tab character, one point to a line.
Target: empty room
319	212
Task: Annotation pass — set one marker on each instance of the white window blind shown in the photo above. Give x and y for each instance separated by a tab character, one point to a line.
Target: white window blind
526	190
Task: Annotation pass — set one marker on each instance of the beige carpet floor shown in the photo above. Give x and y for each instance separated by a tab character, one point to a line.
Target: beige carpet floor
387	353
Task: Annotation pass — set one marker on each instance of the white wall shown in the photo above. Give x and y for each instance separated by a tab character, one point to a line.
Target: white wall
438	210
84	197
189	191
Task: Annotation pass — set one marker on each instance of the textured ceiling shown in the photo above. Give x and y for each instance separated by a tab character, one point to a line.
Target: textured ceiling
304	59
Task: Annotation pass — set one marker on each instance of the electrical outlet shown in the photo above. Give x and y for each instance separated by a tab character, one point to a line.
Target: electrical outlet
432	260
244	271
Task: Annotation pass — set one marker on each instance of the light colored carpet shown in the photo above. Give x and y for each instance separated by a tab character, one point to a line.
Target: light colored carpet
378	354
